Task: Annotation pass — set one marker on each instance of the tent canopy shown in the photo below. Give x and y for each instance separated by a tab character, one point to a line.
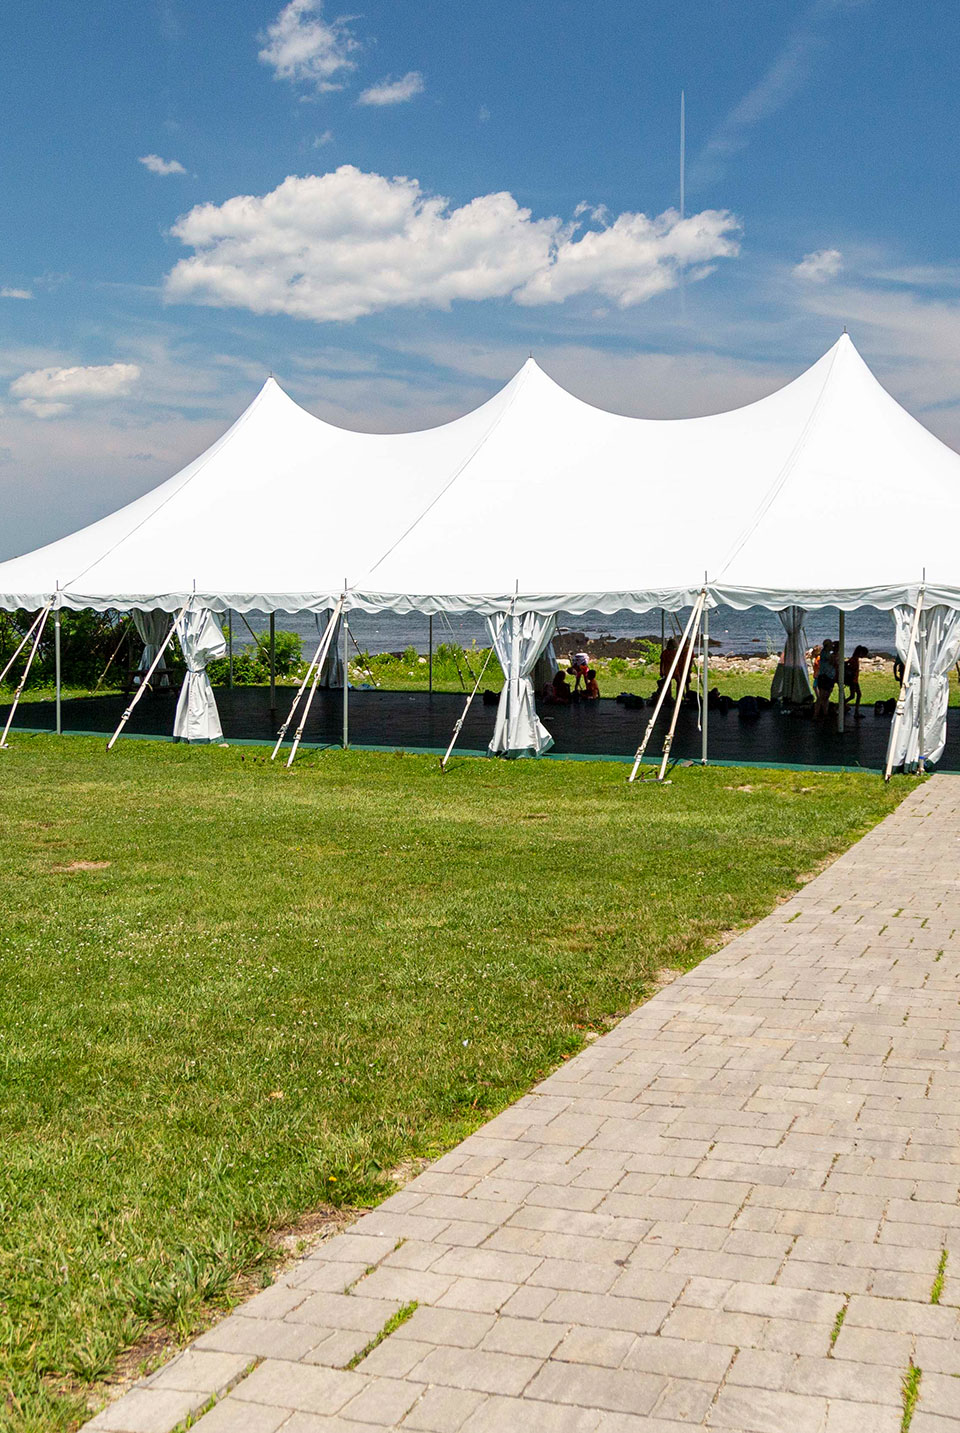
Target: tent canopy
826	491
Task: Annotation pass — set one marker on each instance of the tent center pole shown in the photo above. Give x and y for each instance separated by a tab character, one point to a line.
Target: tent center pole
346	686
273	668
230	647
705	686
56	651
841	689
430	651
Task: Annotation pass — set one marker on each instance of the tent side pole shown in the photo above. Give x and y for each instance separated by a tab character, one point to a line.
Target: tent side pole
659	703
430	651
345	741
317	657
902	698
26	672
273	667
146	680
56	659
841	689
705	686
230	647
922	656
318	662
29	633
458	726
688	659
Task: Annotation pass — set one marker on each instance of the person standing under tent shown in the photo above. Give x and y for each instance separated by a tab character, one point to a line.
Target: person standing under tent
851	679
579	663
826	679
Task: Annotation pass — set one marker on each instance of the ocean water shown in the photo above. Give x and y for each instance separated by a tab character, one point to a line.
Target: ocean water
753	632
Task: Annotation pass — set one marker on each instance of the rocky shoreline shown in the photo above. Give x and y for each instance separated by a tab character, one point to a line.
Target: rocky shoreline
603	648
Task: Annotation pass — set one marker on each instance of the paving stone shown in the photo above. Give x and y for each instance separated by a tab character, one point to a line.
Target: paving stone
195	1370
511	1415
280	1384
760	1411
443	1410
383	1402
230	1415
617	1389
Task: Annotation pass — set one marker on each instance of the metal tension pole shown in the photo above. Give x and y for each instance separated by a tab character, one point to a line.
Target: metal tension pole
56	658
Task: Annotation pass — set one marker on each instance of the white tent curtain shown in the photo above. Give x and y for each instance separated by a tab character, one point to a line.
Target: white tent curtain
938	648
152	627
519	639
201	640
791	680
332	674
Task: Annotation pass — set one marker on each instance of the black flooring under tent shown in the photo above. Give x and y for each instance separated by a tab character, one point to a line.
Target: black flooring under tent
417	721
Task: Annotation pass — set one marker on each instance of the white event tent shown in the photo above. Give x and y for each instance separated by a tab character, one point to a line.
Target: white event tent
827	492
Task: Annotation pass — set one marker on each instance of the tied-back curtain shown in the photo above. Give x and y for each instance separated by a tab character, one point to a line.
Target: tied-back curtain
791	680
937	648
201	640
518	642
332	674
152	628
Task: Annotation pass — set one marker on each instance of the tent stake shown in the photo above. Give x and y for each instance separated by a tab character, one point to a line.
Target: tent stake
56	659
662	695
146	680
463	715
902	698
681	685
42	621
316	667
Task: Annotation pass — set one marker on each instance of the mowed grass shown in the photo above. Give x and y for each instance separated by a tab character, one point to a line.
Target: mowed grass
230	993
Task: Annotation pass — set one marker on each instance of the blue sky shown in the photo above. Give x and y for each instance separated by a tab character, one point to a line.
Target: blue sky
433	190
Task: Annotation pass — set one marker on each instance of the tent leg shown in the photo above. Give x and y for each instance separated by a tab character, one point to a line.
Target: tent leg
430	657
902	698
146	680
30	631
458	727
56	658
273	668
705	686
230	647
688	658
41	623
841	689
922	653
664	689
316	667
345	742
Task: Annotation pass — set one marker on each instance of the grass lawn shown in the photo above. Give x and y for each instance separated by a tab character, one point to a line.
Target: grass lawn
230	994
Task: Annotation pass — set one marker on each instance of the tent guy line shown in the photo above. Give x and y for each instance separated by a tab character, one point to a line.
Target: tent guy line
457	511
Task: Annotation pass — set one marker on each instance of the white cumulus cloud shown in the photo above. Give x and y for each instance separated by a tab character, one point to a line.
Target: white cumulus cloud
6	293
819	266
156	165
390	91
303	47
47	392
339	245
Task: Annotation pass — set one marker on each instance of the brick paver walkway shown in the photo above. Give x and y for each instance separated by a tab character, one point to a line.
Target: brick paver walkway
729	1212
